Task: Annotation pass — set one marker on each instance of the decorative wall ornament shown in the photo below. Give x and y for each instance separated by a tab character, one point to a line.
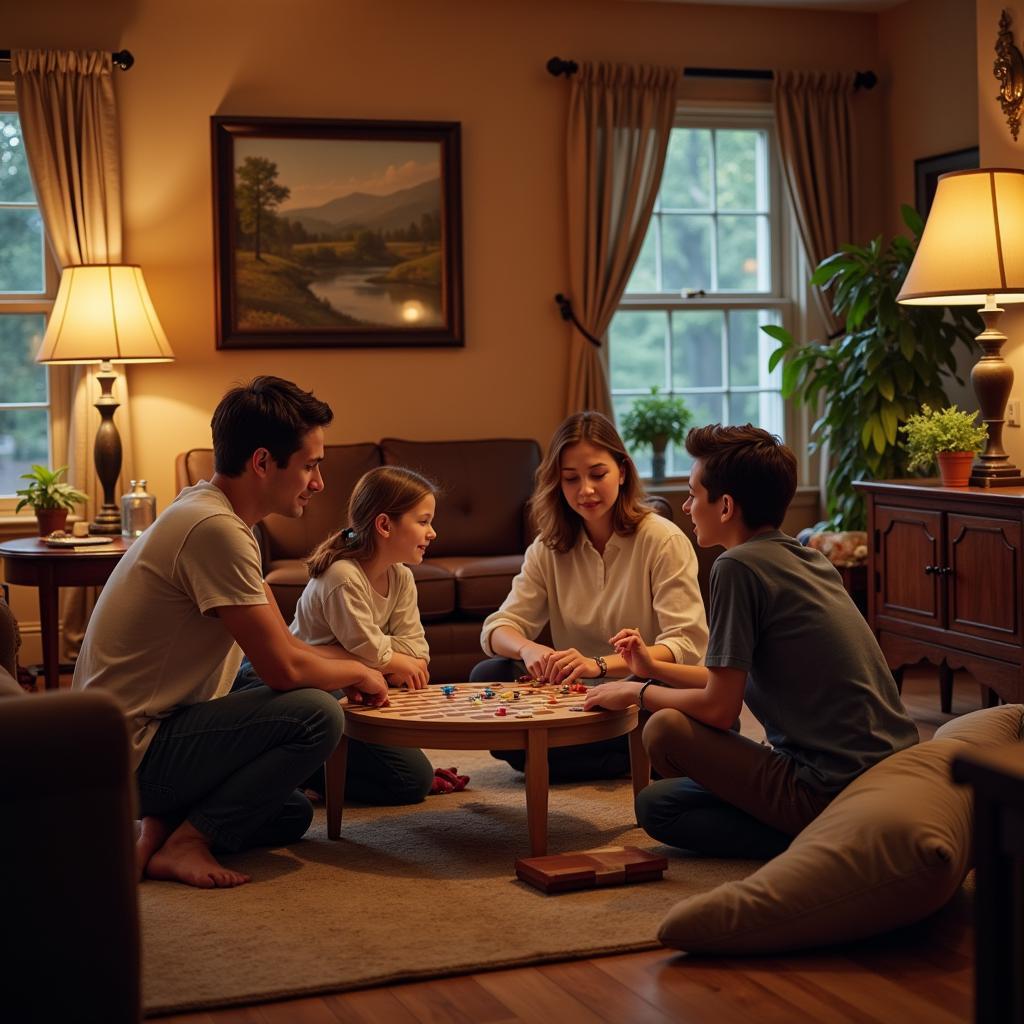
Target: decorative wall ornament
1009	69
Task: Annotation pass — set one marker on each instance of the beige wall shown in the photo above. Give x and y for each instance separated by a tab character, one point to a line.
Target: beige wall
929	67
998	149
480	62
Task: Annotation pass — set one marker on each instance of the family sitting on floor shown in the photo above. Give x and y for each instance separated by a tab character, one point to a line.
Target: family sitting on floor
615	582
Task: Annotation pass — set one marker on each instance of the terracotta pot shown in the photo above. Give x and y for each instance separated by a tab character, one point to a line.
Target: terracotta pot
955	468
51	519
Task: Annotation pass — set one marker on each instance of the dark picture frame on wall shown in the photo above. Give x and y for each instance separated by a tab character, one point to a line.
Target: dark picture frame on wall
337	233
928	169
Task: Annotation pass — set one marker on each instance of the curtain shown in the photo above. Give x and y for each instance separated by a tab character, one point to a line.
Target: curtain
812	114
69	124
619	122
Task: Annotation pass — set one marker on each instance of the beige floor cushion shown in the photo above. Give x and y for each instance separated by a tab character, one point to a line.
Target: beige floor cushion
892	848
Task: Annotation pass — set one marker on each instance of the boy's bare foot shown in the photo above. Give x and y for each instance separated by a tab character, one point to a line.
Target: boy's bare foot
185	857
153	832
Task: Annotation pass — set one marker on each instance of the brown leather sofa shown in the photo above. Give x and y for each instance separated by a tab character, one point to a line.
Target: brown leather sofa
481	523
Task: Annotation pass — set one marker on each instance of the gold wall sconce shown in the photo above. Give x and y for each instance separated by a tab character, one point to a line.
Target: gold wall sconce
1009	69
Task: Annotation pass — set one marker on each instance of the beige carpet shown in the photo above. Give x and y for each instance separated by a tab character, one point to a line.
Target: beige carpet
408	892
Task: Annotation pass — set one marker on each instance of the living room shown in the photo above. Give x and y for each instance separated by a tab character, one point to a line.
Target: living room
481	65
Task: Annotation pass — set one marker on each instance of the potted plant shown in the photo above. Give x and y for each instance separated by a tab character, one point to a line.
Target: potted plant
656	420
50	497
881	368
949	435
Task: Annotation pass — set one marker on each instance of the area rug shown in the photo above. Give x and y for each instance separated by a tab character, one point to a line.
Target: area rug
408	893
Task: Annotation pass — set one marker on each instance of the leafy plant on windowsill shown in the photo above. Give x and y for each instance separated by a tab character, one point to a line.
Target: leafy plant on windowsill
941	430
47	490
656	420
882	368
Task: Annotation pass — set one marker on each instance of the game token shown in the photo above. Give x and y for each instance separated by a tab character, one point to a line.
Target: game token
578	707
564	688
524	714
501	712
515	695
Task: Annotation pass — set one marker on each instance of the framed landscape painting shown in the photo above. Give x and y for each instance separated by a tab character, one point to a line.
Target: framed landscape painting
336	233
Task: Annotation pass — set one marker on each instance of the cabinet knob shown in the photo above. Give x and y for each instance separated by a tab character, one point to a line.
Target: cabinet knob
944	570
930	570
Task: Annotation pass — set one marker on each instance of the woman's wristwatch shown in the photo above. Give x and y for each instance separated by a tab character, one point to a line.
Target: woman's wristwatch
602	667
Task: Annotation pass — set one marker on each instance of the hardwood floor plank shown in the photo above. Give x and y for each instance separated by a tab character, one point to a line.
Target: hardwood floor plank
369	1006
531	996
602	993
461	1000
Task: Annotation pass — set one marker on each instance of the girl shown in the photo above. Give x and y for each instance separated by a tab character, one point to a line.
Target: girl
361	595
602	560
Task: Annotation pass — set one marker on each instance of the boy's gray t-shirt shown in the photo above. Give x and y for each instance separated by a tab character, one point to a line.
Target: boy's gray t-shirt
816	678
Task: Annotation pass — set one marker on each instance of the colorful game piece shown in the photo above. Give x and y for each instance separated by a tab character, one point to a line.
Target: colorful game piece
502	711
578	688
564	688
515	695
488	693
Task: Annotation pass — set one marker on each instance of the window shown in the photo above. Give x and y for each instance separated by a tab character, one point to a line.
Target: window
712	271
27	286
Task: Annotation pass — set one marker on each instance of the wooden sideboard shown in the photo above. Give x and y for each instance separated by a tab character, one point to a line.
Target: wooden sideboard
945	580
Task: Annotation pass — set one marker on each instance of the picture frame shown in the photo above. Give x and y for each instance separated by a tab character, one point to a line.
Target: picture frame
928	169
337	233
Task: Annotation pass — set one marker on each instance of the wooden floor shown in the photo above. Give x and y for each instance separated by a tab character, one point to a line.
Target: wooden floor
920	974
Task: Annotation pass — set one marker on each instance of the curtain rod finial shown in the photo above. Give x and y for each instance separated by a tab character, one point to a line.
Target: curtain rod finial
123	59
556	66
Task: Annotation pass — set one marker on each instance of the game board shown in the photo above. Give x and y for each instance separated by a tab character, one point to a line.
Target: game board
541	718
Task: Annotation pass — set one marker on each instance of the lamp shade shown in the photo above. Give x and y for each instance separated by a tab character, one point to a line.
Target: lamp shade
973	241
103	313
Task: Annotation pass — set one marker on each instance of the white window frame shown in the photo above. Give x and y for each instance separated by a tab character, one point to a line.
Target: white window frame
785	259
28	303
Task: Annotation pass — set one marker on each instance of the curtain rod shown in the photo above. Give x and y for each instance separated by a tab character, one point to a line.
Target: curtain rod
122	58
862	79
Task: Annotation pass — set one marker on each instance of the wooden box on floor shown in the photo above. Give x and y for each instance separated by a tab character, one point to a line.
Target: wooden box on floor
588	869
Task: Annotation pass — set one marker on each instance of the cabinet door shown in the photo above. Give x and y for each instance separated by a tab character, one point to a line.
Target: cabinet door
984	553
907	540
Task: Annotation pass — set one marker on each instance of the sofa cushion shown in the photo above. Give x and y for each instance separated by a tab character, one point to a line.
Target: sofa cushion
891	848
484	489
435	590
989	726
481	584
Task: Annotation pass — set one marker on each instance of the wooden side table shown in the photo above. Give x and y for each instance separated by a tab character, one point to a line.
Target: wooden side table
31	563
997	777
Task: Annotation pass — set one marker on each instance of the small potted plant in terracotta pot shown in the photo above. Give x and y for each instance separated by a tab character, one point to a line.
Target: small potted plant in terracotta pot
50	497
656	420
949	436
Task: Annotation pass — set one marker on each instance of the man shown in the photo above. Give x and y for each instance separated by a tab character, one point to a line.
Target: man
221	774
785	636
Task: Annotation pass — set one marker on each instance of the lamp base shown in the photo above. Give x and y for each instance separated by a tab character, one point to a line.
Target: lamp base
107	521
1007	475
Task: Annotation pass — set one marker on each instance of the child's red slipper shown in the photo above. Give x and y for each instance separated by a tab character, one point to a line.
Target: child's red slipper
458	782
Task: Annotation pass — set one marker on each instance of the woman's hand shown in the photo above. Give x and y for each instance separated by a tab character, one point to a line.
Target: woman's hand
369	688
535	657
405	670
569	665
615	696
629	644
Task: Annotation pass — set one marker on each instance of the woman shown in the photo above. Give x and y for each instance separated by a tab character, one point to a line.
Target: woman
602	560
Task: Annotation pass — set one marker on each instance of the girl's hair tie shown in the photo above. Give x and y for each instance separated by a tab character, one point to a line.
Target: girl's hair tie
348	534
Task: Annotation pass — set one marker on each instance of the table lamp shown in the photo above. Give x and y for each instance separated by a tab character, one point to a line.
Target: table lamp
103	314
972	253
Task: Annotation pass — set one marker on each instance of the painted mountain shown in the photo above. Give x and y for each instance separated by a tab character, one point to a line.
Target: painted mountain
379	213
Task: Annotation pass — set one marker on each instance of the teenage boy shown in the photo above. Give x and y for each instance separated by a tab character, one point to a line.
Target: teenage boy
787	638
168	634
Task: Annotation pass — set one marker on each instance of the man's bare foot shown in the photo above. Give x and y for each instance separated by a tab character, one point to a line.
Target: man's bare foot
185	857
153	832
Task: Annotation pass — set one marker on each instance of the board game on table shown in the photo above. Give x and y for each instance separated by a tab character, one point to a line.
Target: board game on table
539	718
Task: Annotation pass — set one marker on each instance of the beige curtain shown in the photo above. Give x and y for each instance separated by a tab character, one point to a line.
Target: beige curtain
620	118
812	114
69	123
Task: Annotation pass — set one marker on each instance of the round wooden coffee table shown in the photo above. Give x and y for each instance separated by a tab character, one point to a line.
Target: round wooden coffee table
427	718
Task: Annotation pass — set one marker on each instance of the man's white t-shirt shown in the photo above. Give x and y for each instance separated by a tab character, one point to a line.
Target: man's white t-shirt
154	642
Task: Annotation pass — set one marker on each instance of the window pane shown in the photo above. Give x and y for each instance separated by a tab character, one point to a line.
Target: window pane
738	266
24	440
21	379
637	349
706	408
641	456
15	183
686	181
645	273
685	252
745	347
697	349
744	408
736	170
21	251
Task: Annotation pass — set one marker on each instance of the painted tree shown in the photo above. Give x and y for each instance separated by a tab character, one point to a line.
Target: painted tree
257	195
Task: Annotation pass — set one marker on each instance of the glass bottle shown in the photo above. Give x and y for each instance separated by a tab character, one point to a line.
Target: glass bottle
138	510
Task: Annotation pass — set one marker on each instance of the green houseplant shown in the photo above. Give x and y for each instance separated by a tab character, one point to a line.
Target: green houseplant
884	365
950	436
656	420
50	497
